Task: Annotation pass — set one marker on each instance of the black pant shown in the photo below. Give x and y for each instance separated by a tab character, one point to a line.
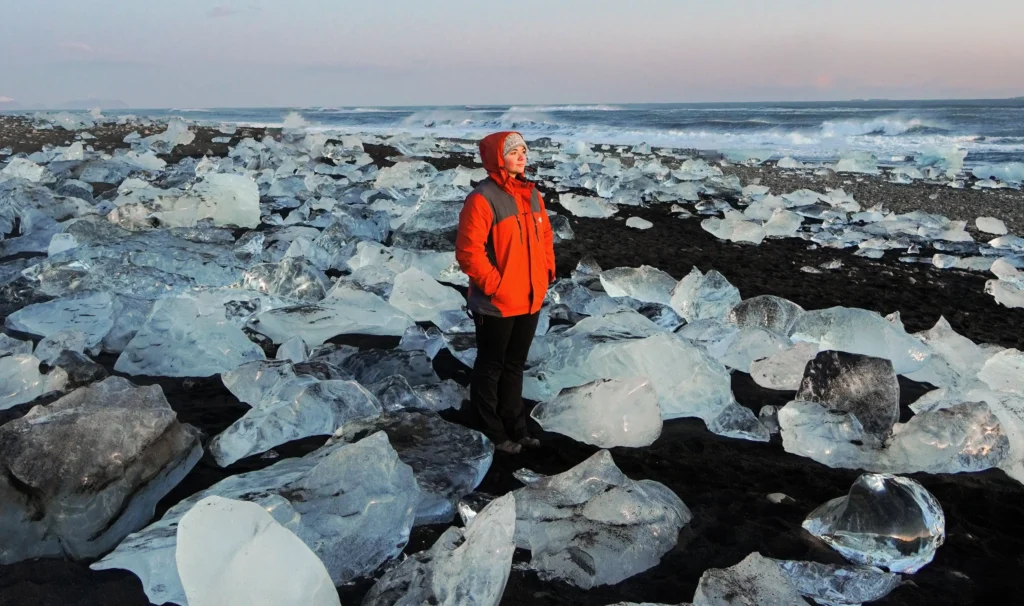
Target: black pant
496	391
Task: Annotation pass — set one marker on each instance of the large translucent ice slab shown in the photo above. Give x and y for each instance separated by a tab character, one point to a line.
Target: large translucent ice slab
449	460
701	296
463	568
605	413
768	312
434	264
955	359
594	208
863	332
592	525
352	504
1004	372
295	406
644	283
740	349
178	340
91	315
81	473
21	381
293	278
229	200
784	371
734	228
885	521
234	552
345	311
422	297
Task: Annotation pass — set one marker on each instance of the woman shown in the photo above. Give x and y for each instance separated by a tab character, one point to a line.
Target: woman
506	247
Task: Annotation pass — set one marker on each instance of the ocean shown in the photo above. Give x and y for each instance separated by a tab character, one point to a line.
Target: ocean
992	131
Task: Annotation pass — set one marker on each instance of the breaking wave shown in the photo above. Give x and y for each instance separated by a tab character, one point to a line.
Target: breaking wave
566	108
891	126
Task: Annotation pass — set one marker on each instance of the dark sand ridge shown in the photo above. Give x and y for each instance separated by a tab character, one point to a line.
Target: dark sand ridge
723	481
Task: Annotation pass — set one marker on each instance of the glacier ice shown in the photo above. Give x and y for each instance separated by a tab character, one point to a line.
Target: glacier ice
638	223
1009	172
734	228
991	225
863	332
449	460
292	278
863	386
178	340
1004	372
234	552
644	283
81	473
292	350
755	581
352	504
700	296
591	525
740	349
50	348
422	297
429	341
832	585
225	199
91	315
80	369
605	413
463	568
885	521
768	312
293	407
21	381
592	208
12	347
345	311
784	371
739	422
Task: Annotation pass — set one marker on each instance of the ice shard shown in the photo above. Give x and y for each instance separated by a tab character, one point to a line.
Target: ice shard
863	386
605	413
234	552
831	585
784	370
592	525
82	473
739	422
864	332
645	283
756	581
463	568
352	504
422	297
345	311
177	340
92	315
21	381
886	521
449	460
701	296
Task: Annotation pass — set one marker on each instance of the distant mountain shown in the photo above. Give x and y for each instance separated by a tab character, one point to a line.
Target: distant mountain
86	104
6	103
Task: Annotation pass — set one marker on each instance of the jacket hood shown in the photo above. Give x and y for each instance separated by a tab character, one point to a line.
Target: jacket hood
493	160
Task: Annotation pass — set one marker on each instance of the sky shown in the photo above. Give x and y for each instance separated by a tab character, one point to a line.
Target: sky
299	53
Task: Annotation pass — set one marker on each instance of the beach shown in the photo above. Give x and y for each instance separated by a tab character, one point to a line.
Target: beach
725	482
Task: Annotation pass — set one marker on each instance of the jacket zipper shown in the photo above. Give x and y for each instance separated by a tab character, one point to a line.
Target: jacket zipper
520	224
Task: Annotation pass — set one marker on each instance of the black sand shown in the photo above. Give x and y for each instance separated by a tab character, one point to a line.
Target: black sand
723	481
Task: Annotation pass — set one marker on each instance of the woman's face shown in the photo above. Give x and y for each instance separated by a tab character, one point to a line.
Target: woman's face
515	160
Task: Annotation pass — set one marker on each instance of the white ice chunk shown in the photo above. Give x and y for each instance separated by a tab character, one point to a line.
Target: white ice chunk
20	168
991	225
235	553
638	223
78	475
292	350
179	341
734	229
1009	172
756	581
830	585
782	224
13	347
422	297
21	381
594	208
605	413
863	332
784	370
50	348
1004	372
644	283
857	162
885	521
91	315
704	296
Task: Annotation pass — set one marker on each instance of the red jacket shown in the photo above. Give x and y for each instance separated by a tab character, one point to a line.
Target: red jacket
505	244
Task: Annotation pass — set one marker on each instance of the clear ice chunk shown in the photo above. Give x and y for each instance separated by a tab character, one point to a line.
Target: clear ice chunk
863	386
372	365
739	422
13	347
589	207
592	525
50	348
784	371
293	278
1004	372
345	311
82	473
886	521
756	581
293	407
234	552
734	228
21	381
831	585
449	460
293	350
638	223
429	341
422	297
92	315
739	350
463	568
224	199
991	225
605	413
352	504
644	283
699	296
178	340
862	332
768	312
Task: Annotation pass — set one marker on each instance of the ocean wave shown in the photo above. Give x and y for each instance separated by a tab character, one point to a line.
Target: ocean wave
567	108
891	126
